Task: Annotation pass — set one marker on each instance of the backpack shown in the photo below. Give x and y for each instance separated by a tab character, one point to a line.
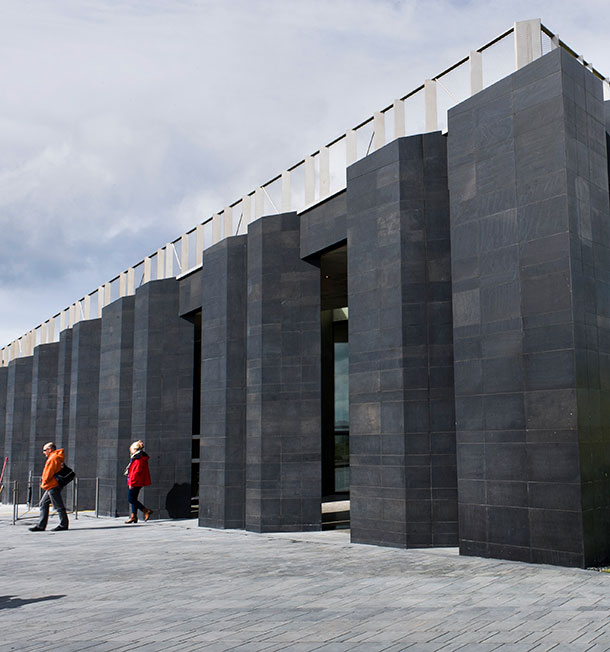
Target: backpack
65	475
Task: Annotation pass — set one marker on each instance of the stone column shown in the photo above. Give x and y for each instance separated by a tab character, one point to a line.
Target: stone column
17	433
283	443
64	372
3	381
81	447
530	248
44	406
402	439
115	408
223	390
163	396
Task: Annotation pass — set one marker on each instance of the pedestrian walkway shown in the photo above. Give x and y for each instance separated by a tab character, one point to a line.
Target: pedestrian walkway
170	585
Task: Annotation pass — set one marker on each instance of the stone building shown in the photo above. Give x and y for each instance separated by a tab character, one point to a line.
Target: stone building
431	343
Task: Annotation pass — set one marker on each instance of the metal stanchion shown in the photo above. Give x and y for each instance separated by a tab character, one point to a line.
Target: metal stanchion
97	497
15	502
30	491
76	498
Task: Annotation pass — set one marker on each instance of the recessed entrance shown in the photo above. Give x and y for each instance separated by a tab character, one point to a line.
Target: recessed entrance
195	319
335	388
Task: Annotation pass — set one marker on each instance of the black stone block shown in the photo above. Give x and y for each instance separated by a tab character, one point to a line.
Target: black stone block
115	405
161	416
283	407
223	391
17	432
530	313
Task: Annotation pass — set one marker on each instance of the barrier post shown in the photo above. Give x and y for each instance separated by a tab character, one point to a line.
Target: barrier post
76	498
97	497
15	491
30	497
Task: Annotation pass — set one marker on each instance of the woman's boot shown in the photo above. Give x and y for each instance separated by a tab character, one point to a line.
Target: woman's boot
147	513
133	518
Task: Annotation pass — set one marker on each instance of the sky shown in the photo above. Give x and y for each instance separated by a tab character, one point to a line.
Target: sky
124	123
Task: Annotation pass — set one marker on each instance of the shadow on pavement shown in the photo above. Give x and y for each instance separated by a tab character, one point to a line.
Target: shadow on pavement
12	602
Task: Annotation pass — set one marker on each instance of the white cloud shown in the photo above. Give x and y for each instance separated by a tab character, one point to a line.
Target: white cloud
124	123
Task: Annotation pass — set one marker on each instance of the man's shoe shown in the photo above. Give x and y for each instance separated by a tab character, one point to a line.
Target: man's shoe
36	529
147	514
59	528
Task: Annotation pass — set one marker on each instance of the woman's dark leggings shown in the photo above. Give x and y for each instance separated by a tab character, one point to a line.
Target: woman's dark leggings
132	497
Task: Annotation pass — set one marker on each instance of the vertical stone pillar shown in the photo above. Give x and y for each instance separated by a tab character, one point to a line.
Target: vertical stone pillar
3	380
17	433
115	395
222	475
64	373
81	447
607	122
530	252
44	404
283	442
163	396
402	438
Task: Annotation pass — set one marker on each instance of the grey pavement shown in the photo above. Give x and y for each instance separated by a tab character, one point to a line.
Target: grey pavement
170	585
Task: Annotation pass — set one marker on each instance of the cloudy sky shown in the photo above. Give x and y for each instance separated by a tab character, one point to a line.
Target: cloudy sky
123	123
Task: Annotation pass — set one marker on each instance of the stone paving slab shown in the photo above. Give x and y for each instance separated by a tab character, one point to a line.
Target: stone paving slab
169	585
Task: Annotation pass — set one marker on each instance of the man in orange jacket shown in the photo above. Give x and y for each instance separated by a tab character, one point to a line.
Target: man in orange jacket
52	490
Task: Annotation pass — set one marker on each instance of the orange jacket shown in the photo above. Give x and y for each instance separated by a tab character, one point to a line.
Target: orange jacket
54	462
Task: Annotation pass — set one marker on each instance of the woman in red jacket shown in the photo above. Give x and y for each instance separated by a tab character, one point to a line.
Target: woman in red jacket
138	476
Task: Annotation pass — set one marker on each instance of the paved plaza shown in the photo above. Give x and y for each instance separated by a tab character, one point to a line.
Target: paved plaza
169	585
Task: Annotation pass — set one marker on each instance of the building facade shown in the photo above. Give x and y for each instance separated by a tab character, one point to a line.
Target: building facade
431	343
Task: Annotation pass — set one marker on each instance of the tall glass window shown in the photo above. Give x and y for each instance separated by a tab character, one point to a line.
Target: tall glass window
341	351
335	404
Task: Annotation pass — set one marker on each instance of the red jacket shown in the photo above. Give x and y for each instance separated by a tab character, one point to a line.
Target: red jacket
139	475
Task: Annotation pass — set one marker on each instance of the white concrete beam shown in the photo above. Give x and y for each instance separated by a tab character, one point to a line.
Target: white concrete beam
324	172
398	107
528	42
227	214
475	63
147	269
160	263
216	228
169	260
245	212
259	203
199	242
131	282
100	303
310	180
554	41
431	119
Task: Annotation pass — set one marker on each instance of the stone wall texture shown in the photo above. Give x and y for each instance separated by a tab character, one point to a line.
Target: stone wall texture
530	249
162	396
476	270
403	486
115	401
222	483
